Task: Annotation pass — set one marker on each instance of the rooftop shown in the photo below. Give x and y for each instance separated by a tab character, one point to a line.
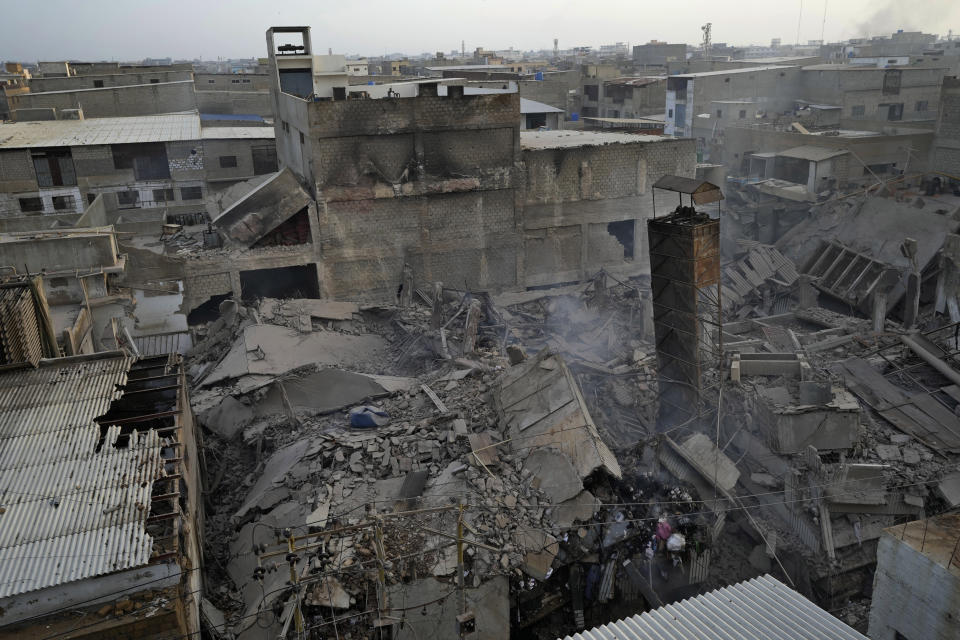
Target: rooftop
125	86
532	106
229	133
758	609
64	496
811	152
936	538
570	139
728	72
95	131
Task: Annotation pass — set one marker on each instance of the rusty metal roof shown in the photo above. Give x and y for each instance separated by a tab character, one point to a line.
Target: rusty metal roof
70	512
702	191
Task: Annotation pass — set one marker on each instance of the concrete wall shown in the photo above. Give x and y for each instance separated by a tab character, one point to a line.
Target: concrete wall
241	149
133	100
234	102
427	181
571	194
881	149
912	594
946	147
72	83
61	254
233	82
863	87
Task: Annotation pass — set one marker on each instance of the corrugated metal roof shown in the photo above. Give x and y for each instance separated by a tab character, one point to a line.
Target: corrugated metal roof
70	511
91	131
758	609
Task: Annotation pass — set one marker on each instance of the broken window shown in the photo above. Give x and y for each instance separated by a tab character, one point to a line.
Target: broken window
163	195
30	205
91	196
858	111
282	282
128	198
148	160
64	203
264	159
891	82
623	232
54	167
191	193
227	162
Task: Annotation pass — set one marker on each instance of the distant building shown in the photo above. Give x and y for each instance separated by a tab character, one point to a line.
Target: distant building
153	162
658	54
536	115
358	68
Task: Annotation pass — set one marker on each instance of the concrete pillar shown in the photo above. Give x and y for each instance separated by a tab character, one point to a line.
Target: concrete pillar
471	327
436	317
808	293
879	311
406	286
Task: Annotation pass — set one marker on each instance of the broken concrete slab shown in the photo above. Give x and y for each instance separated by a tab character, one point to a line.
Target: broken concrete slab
540	548
323	309
715	466
263	209
888	452
541	406
555	473
949	488
580	508
328	593
276	468
490	603
275	350
227	418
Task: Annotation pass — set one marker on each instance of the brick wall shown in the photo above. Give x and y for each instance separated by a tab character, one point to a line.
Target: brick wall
946	153
16	171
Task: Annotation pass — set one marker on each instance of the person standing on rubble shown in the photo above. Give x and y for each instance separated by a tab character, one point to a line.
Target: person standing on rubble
663	532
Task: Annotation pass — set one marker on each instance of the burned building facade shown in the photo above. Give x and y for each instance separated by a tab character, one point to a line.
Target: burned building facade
446	185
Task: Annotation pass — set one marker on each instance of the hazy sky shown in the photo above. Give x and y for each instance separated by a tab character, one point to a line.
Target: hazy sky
135	29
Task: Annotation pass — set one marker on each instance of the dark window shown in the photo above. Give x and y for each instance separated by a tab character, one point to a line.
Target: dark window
190	193
98	84
91	196
894	111
719	113
286	127
163	195
154	81
227	162
591	91
148	160
128	198
743	114
64	203
922	105
301	137
891	82
858	111
30	205
669	113
264	159
726	79
54	167
235	81
536	120
211	81
245	81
